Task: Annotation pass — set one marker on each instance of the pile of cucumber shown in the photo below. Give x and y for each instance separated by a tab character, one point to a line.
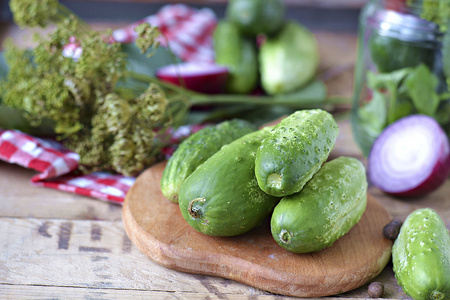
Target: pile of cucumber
260	47
228	178
226	188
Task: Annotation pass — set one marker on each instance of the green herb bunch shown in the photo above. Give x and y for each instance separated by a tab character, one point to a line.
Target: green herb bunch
112	128
38	13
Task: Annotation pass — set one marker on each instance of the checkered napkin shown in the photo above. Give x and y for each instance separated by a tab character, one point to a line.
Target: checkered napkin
58	166
188	33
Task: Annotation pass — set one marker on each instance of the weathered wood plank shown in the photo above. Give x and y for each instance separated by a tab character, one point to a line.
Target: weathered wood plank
19	198
91	254
337	58
20	292
97	257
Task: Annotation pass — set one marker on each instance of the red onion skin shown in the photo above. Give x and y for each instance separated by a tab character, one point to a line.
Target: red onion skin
201	83
210	82
437	177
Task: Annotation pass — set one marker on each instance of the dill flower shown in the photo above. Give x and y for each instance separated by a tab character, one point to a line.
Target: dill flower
30	13
46	84
126	135
112	128
147	38
135	126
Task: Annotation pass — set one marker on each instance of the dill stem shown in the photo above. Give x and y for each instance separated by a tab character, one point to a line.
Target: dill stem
203	99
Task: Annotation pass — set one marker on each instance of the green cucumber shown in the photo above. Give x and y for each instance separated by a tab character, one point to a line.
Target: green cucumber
197	148
222	197
288	60
329	205
421	256
390	53
255	17
239	55
294	151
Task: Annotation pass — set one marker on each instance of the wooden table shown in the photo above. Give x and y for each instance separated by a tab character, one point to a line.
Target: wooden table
55	244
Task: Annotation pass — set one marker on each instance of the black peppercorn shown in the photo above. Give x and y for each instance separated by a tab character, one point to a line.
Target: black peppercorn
391	230
375	289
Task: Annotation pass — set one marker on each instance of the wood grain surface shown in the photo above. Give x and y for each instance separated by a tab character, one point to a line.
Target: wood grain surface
56	245
157	227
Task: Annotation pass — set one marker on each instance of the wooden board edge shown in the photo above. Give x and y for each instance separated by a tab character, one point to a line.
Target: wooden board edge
287	284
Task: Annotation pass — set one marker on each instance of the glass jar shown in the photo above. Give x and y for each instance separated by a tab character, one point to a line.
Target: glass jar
403	65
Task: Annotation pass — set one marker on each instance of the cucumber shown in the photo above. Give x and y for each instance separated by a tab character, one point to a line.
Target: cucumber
252	16
222	197
294	151
239	55
329	205
197	148
390	53
421	256
289	60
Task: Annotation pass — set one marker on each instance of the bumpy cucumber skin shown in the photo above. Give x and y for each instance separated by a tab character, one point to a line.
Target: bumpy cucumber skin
294	151
224	193
196	149
421	256
239	55
329	205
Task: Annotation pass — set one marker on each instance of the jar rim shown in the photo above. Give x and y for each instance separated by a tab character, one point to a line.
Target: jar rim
403	26
404	20
436	11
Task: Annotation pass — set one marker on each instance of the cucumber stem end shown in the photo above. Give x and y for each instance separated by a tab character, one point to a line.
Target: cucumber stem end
195	207
274	180
285	236
436	295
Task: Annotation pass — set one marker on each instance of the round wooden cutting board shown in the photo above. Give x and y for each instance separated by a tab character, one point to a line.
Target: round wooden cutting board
156	226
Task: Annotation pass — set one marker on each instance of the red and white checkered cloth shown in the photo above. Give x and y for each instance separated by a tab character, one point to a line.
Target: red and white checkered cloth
58	166
188	32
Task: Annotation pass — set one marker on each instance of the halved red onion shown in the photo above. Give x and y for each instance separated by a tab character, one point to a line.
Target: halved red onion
206	78
410	158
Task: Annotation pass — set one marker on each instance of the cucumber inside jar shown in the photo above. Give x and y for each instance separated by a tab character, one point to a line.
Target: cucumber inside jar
400	40
390	53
